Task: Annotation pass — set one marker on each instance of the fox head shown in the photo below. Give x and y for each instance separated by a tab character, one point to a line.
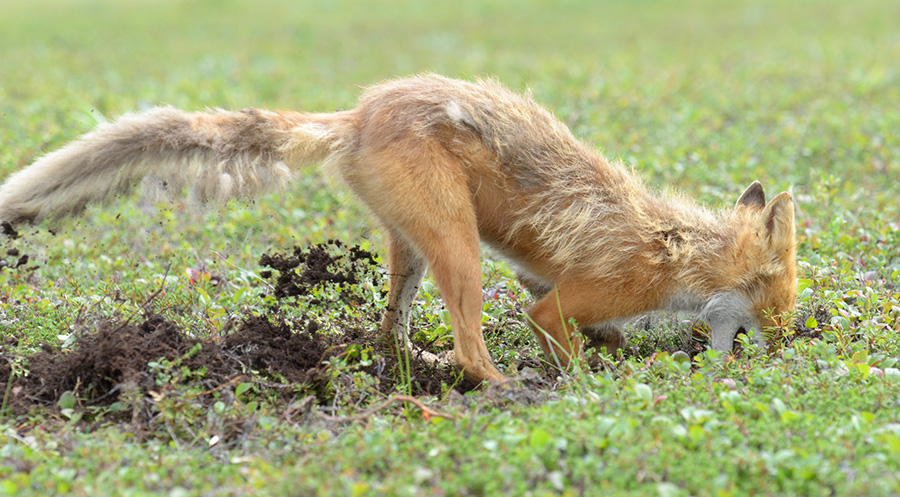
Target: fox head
764	271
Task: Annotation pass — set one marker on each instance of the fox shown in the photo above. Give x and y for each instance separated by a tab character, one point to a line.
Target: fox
444	166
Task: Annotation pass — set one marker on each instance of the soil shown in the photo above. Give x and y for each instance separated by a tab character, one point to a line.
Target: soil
822	316
126	360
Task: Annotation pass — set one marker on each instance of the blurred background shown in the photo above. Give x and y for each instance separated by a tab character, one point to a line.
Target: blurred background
762	89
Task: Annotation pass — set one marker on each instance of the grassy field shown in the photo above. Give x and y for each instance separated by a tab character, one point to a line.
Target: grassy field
699	96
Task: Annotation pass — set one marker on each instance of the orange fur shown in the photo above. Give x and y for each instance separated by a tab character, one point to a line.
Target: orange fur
445	165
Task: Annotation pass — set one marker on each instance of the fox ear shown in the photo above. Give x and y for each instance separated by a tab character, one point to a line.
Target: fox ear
778	222
753	196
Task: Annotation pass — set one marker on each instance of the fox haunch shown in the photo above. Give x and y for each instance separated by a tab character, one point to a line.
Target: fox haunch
444	165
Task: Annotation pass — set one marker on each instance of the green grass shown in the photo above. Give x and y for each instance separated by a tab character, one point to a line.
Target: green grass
699	96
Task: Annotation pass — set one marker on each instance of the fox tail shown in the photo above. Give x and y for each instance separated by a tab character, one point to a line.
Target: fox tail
216	154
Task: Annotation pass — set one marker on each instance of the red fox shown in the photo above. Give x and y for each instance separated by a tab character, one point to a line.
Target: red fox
444	165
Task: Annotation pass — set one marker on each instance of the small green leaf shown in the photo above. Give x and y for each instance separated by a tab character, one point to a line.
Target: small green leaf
778	405
696	432
66	400
72	415
681	357
243	387
359	489
811	323
539	438
643	392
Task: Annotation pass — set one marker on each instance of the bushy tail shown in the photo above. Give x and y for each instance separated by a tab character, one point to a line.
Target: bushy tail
216	154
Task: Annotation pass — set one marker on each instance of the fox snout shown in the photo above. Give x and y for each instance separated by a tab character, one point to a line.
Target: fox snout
727	314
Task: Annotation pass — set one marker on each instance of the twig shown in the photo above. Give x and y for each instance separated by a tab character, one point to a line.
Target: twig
9	384
427	412
304	406
247	271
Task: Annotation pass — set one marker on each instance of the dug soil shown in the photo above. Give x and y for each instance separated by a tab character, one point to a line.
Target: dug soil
131	361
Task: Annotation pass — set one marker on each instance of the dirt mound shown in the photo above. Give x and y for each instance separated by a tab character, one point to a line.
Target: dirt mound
101	363
278	350
121	359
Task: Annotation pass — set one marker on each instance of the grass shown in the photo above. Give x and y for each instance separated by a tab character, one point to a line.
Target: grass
703	97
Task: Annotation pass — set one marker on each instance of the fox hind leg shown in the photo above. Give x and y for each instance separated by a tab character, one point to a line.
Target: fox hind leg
457	272
448	239
406	268
426	201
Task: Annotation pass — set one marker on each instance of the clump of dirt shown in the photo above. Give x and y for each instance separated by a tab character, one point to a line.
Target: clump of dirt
289	354
7	229
325	263
10	257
